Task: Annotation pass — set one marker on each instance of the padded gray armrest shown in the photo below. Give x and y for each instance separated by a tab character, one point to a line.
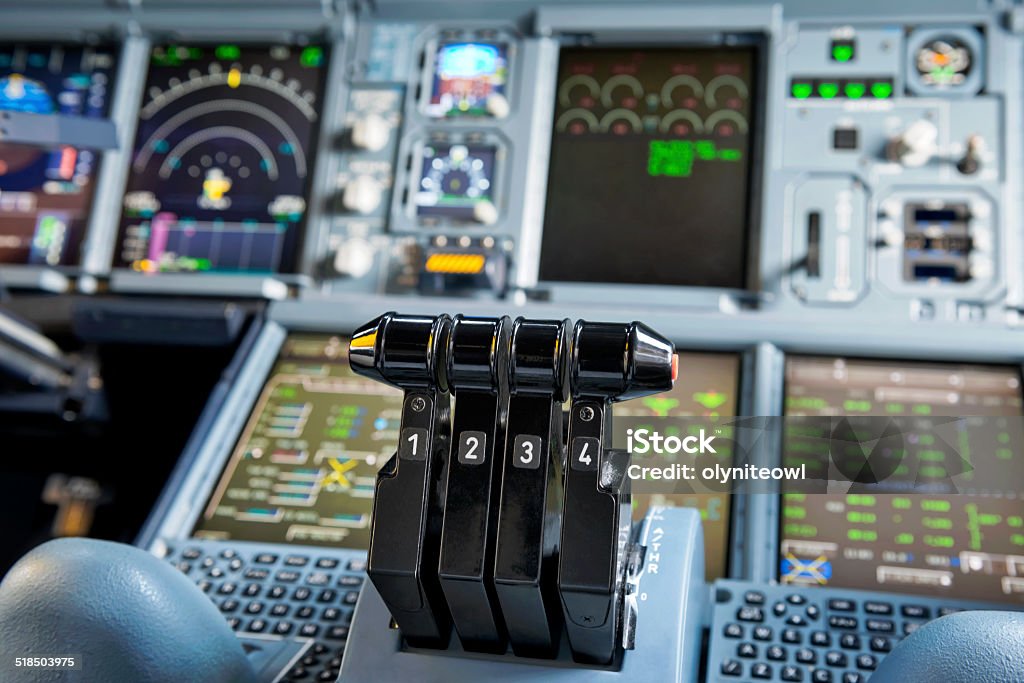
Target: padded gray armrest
966	647
127	615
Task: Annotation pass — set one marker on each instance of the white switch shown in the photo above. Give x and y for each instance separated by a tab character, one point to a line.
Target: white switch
371	132
354	258
362	194
915	146
497	105
485	212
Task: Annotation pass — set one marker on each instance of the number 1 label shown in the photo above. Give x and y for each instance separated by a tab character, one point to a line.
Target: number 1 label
412	445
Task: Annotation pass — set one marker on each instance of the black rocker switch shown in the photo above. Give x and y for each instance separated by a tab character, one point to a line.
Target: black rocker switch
477	377
610	362
531	488
407	351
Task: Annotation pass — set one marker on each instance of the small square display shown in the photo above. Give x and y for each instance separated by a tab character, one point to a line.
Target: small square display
469	80
457	182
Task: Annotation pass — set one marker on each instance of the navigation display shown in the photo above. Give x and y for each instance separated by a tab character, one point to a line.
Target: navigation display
46	194
707	388
303	471
222	159
949	519
651	155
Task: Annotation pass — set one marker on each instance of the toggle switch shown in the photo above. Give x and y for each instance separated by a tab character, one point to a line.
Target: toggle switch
362	194
371	132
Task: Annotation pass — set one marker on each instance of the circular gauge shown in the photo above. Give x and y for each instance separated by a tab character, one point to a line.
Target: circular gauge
222	159
455	179
944	62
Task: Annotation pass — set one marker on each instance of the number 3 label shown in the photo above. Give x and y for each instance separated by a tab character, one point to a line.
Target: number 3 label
472	448
526	452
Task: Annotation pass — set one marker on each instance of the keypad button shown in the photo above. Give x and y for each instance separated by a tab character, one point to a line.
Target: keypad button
298	674
357	565
836	659
852	677
192	553
327	675
880	644
327	595
337	632
867	662
796	620
909	627
878	608
915	611
304	612
732	631
327	563
350	581
235	565
318	579
806	655
279	610
318	649
753	597
204	585
276	592
254	607
265	558
746	650
309	630
775	653
792	674
227	588
283	628
846	623
760	670
821	639
208	562
762	633
841	605
228	606
351	597
880	625
257	626
302	594
731	667
812	612
215	573
849	641
251	590
821	676
184	567
795	599
228	553
943	611
331	614
287	576
254	574
791	635
296	561
750	614
779	609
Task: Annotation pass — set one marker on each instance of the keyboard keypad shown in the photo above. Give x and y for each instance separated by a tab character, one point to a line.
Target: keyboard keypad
292	596
807	635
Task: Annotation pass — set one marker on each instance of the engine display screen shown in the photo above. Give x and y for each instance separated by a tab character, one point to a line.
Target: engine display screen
707	388
948	522
468	77
649	175
222	159
46	194
303	471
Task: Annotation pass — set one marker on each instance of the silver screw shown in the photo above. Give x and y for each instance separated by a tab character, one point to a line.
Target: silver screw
586	413
418	404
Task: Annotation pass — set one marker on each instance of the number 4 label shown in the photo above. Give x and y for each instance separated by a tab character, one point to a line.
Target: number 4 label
472	448
586	452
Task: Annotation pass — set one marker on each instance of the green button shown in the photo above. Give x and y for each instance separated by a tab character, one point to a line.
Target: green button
828	90
842	52
802	91
881	90
855	90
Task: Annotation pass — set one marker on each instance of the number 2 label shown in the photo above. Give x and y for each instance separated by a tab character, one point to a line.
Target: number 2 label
472	448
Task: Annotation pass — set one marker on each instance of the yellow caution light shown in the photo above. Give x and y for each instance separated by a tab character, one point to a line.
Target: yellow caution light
456	264
234	78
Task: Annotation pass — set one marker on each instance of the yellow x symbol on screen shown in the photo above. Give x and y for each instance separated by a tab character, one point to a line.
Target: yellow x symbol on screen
338	475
